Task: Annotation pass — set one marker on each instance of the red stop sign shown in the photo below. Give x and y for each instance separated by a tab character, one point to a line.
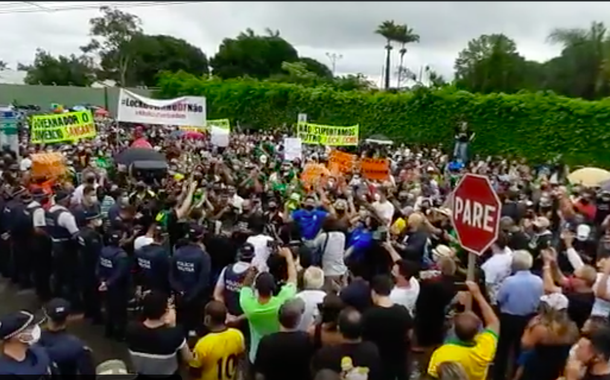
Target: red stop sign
476	213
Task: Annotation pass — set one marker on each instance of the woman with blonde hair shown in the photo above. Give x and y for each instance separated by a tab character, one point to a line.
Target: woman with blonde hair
547	340
451	371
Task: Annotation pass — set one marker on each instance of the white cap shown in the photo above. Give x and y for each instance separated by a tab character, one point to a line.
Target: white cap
556	301
582	232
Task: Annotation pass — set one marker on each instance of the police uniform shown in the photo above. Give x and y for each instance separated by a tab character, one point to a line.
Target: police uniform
91	244
232	279
69	353
18	220
61	228
37	364
113	271
40	247
153	261
190	280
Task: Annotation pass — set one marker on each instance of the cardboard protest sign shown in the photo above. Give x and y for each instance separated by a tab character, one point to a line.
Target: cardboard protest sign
375	168
293	148
341	162
314	174
48	165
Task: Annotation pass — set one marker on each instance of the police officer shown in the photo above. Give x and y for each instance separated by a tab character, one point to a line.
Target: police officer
21	356
40	247
68	352
91	244
22	232
153	262
232	278
114	276
190	279
62	229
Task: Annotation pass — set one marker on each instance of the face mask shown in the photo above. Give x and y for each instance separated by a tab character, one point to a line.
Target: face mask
31	337
125	200
97	223
93	199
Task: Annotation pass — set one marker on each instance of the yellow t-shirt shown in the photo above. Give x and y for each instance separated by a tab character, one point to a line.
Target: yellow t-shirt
475	357
217	354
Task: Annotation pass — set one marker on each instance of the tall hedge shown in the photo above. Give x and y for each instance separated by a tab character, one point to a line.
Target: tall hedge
535	126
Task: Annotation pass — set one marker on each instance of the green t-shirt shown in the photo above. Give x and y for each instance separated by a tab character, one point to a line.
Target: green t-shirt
263	318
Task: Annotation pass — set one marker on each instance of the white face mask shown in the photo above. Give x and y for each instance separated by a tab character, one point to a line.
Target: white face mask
30	336
98	222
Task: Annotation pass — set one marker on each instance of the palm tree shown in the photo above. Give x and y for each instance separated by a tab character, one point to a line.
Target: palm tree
387	29
591	52
404	35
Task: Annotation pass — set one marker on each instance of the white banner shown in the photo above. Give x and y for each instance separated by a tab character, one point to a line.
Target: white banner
183	111
293	148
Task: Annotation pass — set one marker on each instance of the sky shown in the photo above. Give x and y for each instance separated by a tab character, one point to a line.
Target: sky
316	29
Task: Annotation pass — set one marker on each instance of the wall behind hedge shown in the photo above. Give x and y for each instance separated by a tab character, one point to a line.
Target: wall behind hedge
532	125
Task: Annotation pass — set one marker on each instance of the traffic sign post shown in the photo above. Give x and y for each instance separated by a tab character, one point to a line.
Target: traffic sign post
8	128
476	211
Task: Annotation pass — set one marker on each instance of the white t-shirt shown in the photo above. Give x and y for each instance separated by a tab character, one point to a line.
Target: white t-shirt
311	298
496	269
142	241
601	308
332	257
406	296
385	210
25	164
261	251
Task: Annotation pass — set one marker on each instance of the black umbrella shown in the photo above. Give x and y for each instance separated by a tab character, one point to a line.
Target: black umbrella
129	155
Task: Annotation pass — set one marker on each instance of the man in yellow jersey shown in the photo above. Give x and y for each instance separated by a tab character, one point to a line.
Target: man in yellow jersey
472	349
218	353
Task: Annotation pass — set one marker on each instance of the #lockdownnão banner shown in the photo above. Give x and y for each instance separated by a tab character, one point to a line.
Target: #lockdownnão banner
183	111
327	135
70	126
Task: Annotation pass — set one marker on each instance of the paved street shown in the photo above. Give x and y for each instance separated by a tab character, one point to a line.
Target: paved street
11	299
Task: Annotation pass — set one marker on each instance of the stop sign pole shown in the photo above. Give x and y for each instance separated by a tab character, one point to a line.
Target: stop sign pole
476	211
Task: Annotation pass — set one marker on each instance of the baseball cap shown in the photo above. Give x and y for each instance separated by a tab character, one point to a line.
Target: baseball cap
61	195
14	323
246	252
555	301
542	222
195	231
58	309
582	232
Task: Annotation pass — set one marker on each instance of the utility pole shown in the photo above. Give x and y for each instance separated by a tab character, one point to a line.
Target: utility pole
334	57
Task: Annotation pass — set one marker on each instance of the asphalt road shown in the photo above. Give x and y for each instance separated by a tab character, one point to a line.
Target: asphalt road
13	299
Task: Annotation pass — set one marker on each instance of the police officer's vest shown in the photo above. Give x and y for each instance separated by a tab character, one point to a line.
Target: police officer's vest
108	262
55	231
233	283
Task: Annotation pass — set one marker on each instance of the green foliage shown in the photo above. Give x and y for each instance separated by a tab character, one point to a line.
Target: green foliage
537	126
59	71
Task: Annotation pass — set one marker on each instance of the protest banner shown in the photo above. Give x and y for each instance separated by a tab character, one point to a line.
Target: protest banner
293	148
314	174
188	128
220	123
327	135
375	168
219	136
184	111
341	162
70	126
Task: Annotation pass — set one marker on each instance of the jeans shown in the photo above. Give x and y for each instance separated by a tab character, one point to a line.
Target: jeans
460	151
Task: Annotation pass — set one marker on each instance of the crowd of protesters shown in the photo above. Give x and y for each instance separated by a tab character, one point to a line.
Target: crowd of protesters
226	265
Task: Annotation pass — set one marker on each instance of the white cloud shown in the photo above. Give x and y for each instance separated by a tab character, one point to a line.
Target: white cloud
315	28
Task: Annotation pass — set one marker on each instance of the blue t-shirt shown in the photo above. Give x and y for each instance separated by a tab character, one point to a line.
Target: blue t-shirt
309	222
360	239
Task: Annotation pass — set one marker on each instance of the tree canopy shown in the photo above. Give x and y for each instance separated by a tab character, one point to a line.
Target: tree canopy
120	50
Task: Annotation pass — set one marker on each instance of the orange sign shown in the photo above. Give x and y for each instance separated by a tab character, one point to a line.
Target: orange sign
341	162
314	174
48	165
375	168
